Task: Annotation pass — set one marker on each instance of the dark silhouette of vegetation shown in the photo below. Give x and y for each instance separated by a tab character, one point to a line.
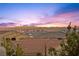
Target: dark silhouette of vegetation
60	38
69	26
39	54
68	46
13	39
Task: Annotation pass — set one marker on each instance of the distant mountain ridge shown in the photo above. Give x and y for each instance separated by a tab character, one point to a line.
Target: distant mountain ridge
7	24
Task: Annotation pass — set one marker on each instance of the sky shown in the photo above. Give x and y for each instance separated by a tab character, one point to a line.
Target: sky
39	14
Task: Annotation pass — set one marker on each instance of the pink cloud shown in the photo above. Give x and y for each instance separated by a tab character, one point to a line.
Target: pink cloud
51	21
63	19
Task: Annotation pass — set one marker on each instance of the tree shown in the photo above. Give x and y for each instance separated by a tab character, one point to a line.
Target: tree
52	51
19	51
10	51
8	46
69	46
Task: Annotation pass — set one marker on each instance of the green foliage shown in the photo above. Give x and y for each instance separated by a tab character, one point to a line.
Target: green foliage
70	45
19	51
8	45
52	51
10	50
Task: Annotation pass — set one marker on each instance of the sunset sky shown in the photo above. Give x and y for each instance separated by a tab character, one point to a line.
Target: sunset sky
39	14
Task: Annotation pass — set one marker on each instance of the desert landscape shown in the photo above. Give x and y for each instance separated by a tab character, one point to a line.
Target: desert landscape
33	40
39	29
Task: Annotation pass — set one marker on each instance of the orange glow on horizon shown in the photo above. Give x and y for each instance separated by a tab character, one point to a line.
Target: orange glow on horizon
53	25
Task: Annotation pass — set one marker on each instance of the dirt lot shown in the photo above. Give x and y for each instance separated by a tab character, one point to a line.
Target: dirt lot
34	46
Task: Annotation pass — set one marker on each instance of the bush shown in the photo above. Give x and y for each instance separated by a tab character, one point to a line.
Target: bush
70	46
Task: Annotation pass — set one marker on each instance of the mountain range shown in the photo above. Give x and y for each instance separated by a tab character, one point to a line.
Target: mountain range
7	24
